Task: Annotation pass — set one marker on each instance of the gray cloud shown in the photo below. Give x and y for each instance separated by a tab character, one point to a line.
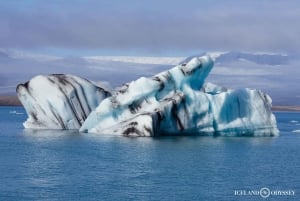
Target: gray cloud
151	25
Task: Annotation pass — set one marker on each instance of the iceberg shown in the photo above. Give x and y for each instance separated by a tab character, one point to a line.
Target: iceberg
177	102
59	101
173	102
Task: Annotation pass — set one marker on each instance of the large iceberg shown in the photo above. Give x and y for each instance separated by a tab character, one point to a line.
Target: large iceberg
59	101
174	102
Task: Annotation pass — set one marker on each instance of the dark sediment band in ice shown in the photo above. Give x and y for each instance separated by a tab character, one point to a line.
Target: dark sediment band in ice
59	101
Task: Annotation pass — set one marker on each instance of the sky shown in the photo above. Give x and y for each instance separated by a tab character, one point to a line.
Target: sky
33	32
149	28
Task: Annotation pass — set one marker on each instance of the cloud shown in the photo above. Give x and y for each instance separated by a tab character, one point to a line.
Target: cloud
151	25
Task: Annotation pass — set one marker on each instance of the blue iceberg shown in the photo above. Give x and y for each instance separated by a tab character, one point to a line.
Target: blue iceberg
174	102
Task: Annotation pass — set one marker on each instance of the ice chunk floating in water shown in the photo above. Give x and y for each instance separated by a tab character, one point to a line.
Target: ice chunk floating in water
174	102
59	101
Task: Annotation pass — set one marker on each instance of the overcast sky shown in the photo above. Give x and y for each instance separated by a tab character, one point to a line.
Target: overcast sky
153	27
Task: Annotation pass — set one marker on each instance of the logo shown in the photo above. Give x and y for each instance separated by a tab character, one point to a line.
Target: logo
264	192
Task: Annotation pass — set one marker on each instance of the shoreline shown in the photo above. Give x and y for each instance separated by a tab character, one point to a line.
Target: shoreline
286	108
9	101
14	101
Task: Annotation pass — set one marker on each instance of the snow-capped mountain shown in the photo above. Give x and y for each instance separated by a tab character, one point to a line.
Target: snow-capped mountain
258	58
137	60
219	57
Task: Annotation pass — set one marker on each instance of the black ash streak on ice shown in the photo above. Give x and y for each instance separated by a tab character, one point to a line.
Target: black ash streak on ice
135	107
174	102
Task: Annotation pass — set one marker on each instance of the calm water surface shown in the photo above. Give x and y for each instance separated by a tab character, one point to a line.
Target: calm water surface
66	165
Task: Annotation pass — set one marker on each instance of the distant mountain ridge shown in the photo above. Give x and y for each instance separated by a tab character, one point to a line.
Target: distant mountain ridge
274	73
9	101
220	57
258	58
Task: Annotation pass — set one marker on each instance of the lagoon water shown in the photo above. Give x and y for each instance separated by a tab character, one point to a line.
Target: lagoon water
67	165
